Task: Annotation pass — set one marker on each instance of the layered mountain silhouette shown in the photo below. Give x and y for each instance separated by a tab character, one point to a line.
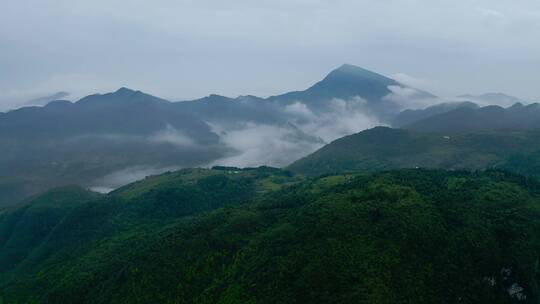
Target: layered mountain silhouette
470	118
407	117
350	83
79	142
499	99
122	112
65	142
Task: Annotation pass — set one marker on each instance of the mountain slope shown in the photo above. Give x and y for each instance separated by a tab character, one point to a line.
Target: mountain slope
27	227
499	99
410	236
516	117
408	117
344	82
384	149
231	111
348	82
65	143
122	112
363	88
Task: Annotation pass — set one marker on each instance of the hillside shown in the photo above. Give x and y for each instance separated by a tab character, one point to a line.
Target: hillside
408	117
470	119
78	143
29	225
409	236
384	148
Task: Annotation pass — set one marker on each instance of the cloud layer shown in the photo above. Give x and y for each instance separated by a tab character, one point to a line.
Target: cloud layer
304	132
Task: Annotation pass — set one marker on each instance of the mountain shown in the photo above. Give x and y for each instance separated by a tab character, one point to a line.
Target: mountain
499	99
359	87
64	143
384	148
470	119
103	135
263	235
344	82
122	112
231	111
348	82
407	117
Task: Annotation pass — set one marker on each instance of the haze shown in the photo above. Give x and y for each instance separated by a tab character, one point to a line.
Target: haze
187	49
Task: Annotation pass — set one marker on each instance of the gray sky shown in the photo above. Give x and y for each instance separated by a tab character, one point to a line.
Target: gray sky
187	49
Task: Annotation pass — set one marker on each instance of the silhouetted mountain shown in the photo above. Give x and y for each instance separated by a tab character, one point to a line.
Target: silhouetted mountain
362	89
499	99
467	119
225	110
348	82
384	148
122	112
410	116
102	133
66	142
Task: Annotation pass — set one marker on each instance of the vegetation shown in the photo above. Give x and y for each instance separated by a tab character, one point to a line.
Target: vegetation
266	236
471	119
384	148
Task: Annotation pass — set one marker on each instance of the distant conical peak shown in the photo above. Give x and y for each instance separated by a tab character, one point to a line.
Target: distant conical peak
353	71
124	90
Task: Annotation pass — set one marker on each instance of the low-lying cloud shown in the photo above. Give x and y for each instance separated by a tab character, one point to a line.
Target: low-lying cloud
304	132
123	177
172	136
410	98
259	144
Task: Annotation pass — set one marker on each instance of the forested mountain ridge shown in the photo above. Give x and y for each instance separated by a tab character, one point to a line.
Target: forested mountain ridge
471	119
405	236
383	148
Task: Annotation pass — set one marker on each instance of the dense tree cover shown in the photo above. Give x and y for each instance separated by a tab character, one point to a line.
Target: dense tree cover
383	148
265	236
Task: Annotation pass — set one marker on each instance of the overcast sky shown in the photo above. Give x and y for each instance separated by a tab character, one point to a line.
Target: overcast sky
187	49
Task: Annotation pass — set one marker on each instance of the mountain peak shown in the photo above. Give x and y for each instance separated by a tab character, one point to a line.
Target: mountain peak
124	90
356	73
350	68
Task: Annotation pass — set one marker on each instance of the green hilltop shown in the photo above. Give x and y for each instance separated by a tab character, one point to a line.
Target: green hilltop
383	148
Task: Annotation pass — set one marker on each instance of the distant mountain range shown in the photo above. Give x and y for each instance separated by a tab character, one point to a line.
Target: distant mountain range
64	142
349	83
407	117
499	99
470	118
103	135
